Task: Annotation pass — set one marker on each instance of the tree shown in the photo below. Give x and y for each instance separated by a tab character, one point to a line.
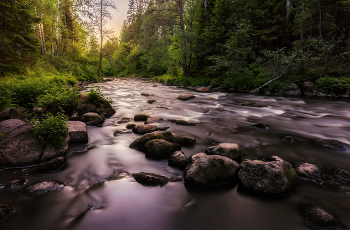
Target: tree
97	12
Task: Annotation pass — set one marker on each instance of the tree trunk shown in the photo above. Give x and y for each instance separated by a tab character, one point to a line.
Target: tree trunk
320	24
302	22
51	42
183	36
57	45
288	8
101	40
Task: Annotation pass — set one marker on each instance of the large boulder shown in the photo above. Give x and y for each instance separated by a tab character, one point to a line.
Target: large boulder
140	142
12	113
185	140
309	88
8	126
185	97
207	171
150	179
230	150
77	132
142	129
160	149
275	178
106	109
93	119
22	147
178	159
293	90
333	144
320	219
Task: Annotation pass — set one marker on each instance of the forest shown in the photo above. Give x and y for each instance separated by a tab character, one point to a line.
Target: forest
233	44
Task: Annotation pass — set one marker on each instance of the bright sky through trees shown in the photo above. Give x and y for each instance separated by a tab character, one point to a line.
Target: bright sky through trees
118	16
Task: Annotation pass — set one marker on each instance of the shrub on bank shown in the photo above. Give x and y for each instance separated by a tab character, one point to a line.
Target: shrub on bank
52	129
333	86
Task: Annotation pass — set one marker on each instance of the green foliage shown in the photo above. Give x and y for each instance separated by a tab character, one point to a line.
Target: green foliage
5	97
333	86
59	96
52	129
95	97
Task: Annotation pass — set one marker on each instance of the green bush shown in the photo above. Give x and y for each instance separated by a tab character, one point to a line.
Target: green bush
96	98
59	96
333	86
52	129
5	97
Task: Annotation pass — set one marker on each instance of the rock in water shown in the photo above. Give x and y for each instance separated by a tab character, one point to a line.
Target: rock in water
77	132
93	119
230	150
140	142
178	159
151	120
203	89
150	179
160	149
290	139
260	126
309	171
275	178
309	88
185	140
141	117
44	187
130	126
51	166
333	144
320	219
142	129
207	171
185	97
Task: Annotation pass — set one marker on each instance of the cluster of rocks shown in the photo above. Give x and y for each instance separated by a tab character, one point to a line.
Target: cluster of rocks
20	146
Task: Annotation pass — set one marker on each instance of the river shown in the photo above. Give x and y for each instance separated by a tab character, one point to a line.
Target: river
124	204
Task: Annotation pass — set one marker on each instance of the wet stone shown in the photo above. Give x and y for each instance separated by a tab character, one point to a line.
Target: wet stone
162	127
16	184
147	94
51	166
185	97
342	175
309	171
290	139
150	179
320	219
142	129
124	120
253	104
182	122
141	117
196	156
333	144
44	187
178	159
230	150
259	126
151	101
160	149
130	126
151	120
140	142
185	140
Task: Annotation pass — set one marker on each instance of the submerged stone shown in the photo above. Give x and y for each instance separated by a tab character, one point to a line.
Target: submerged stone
150	179
185	97
185	140
160	149
333	144
178	159
44	187
320	219
5	212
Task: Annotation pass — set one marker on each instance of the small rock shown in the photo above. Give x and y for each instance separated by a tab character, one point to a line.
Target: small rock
203	90
185	140
130	126
160	149
44	187
150	179
154	85
178	159
147	94
273	158
93	119
259	126
151	120
162	127
209	171
16	184
329	183
230	150
333	144
309	171
140	142
253	104
12	113
51	166
5	212
121	132
293	90
151	101
141	117
77	132
290	139
185	97
319	218
342	175
142	129
182	122
124	120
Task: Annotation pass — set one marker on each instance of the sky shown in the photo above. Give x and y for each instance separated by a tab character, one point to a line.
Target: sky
118	16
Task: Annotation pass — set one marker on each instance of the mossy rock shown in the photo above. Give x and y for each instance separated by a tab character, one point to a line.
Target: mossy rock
178	159
160	149
150	179
140	142
182	122
142	129
230	150
185	140
130	126
151	101
141	117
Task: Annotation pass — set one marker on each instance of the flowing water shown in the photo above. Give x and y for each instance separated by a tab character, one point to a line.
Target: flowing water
121	203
